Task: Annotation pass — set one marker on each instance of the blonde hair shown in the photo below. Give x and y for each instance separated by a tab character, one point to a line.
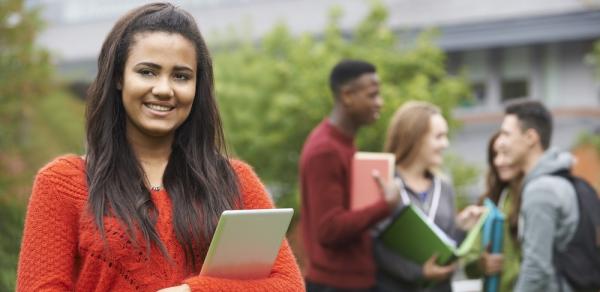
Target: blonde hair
408	128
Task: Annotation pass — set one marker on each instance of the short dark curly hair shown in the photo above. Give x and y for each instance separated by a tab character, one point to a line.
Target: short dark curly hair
347	71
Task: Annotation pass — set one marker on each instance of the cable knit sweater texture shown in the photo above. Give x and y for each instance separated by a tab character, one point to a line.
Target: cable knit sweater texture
62	249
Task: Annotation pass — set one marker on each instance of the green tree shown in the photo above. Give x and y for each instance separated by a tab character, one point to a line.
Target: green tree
273	93
37	122
24	71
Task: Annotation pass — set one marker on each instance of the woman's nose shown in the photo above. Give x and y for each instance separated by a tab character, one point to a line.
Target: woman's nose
162	88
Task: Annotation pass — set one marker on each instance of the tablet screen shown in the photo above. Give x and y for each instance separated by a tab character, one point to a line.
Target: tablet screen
246	243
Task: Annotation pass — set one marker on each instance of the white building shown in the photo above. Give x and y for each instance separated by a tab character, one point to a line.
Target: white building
509	48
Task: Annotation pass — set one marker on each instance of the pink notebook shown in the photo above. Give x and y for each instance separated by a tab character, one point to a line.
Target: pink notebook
364	190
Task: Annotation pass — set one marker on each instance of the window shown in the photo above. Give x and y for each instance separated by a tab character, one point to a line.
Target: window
512	89
477	95
478	89
475	67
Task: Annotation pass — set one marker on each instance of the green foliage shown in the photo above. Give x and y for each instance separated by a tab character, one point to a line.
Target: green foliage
593	58
37	123
464	175
24	70
11	224
272	94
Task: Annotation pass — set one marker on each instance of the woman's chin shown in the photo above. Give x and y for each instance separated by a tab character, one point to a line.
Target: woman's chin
436	162
158	132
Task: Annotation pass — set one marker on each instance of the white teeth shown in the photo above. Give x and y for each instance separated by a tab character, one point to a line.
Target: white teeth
157	107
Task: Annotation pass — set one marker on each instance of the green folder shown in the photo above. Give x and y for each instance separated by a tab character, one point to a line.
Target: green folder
413	236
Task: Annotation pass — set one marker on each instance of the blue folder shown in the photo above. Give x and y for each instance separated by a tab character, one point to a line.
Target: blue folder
492	236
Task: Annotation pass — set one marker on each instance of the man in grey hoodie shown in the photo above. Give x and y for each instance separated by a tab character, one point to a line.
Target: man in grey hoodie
549	213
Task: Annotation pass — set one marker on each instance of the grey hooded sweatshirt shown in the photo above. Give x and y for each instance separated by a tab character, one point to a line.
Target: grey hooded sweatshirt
548	219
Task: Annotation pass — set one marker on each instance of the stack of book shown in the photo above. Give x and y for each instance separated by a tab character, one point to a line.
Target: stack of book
491	239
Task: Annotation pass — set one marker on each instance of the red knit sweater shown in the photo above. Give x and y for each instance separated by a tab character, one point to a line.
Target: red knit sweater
62	249
336	239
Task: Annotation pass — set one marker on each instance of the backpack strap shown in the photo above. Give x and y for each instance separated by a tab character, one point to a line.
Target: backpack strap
559	273
564	173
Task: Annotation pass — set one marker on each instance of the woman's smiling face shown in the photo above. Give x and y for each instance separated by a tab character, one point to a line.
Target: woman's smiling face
159	84
507	170
435	142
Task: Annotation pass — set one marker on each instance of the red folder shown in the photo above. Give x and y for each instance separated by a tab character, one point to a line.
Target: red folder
364	190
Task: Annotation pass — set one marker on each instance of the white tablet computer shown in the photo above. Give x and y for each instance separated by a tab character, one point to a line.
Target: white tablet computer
246	243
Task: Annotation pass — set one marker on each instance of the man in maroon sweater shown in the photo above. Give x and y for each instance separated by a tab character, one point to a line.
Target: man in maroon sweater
336	239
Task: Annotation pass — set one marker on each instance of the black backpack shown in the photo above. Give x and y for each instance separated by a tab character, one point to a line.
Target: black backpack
579	263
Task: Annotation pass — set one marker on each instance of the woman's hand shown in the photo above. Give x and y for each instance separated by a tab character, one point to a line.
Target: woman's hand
180	288
390	191
431	271
467	218
491	264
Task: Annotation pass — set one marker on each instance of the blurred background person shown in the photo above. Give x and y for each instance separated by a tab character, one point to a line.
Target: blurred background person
549	210
503	185
418	136
336	238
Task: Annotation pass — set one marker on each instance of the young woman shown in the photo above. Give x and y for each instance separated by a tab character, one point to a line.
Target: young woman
138	211
503	185
417	135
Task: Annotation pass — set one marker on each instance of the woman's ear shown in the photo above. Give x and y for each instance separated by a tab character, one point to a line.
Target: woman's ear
119	85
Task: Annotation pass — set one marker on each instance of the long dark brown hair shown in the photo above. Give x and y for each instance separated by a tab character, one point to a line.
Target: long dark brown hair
495	186
199	178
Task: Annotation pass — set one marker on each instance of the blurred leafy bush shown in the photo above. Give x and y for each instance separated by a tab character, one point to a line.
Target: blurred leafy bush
38	121
271	94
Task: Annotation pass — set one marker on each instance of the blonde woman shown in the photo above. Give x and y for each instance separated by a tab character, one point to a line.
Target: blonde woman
418	136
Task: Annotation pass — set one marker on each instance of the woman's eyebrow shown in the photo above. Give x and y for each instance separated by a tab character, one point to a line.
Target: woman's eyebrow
149	64
183	68
156	66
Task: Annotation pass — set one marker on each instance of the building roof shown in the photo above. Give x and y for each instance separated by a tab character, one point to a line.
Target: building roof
579	25
77	28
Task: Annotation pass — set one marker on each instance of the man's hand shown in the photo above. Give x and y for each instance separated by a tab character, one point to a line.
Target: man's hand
390	191
431	271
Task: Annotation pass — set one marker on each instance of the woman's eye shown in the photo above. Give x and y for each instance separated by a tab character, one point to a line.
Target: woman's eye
181	77
146	72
